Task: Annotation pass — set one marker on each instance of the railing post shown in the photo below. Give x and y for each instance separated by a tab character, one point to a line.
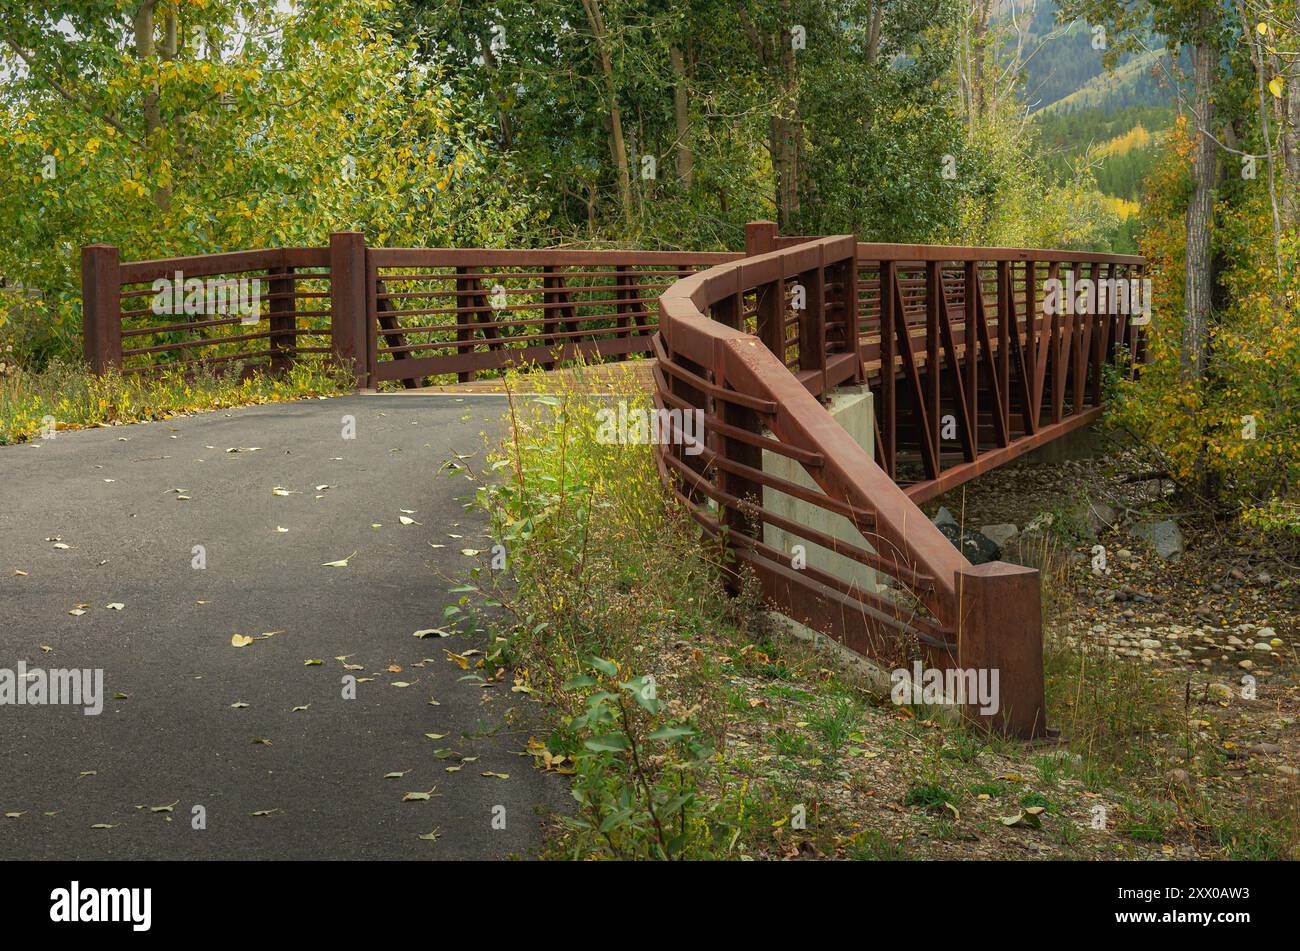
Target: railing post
101	307
348	303
812	322
736	520
933	304
888	337
1000	629
760	237
283	319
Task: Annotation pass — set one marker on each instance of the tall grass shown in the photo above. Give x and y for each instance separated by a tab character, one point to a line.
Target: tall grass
67	396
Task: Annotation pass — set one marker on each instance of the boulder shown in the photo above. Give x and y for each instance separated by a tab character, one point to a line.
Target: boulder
976	546
1164	537
1101	517
1000	534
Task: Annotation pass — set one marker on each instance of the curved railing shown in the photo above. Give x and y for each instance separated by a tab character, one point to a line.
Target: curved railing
748	348
939	357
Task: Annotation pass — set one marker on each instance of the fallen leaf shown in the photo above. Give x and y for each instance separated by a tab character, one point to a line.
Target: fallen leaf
115	606
240	640
341	563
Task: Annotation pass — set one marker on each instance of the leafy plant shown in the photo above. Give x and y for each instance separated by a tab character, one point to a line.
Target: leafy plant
635	769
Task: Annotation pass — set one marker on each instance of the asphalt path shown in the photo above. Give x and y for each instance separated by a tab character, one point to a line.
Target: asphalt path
280	764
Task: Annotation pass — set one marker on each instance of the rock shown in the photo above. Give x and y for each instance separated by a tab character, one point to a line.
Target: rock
944	517
1148	643
1101	517
1164	537
1179	777
1040	524
1266	634
1265	749
1246	664
1001	533
1288	770
1263	646
977	547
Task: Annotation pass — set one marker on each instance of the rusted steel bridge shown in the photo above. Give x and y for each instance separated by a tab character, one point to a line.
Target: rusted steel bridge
966	368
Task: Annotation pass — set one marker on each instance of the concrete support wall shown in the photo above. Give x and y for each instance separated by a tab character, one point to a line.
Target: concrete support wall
853	408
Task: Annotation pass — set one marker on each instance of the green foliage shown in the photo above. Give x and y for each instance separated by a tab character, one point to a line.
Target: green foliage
35	403
1236	433
263	128
635	774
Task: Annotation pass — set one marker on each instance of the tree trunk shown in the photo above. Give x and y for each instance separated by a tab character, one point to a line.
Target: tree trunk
979	29
617	145
1196	325
786	134
873	33
682	118
142	21
1290	134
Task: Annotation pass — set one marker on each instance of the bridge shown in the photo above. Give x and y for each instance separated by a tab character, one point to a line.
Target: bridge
959	353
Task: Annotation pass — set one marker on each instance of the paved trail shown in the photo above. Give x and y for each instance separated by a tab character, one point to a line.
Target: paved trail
176	738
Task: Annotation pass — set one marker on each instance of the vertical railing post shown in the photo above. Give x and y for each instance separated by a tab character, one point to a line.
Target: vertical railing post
349	304
771	317
282	319
888	337
101	307
1030	349
1006	325
972	292
848	297
760	237
812	322
933	302
733	519
1000	633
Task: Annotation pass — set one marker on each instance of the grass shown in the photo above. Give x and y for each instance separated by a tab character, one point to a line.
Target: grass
604	565
66	396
